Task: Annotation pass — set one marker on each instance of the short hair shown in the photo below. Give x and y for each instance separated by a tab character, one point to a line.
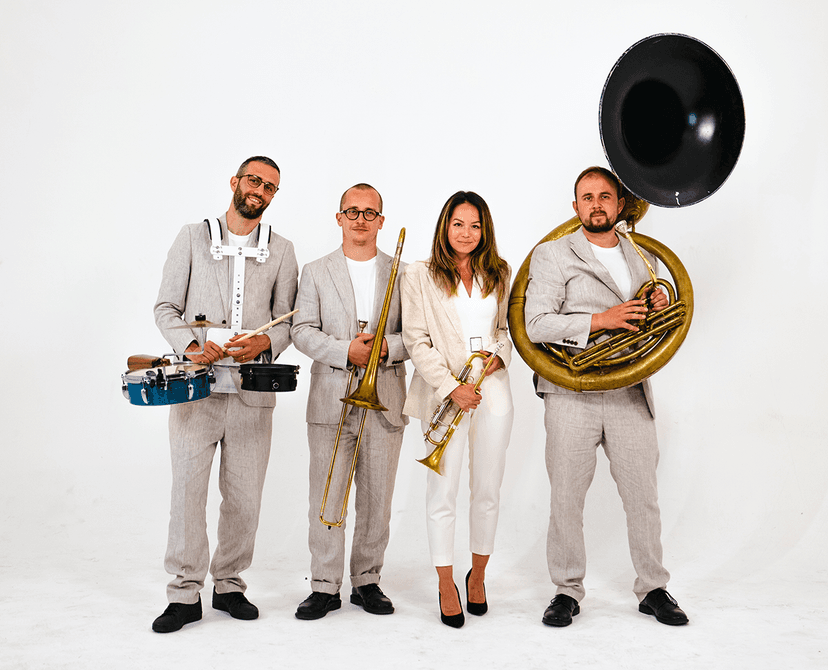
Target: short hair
360	187
606	174
257	159
486	264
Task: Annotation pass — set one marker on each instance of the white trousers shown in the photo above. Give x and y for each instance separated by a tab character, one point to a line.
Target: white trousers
486	432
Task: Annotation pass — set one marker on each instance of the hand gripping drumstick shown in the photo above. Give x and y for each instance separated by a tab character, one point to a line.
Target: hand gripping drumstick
265	327
144	361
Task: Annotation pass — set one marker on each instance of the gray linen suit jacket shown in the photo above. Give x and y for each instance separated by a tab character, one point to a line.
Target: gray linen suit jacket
567	285
194	283
434	337
327	322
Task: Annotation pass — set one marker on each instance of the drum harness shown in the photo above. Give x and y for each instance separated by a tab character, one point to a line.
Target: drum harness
239	254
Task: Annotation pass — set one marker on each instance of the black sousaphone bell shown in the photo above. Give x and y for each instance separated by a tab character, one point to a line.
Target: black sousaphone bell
672	120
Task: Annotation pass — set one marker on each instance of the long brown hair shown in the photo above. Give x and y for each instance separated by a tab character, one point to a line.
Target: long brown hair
486	264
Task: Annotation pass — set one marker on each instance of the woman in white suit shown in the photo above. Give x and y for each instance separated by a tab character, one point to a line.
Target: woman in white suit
453	304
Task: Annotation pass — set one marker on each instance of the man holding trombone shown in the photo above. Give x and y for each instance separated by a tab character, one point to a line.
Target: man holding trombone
344	300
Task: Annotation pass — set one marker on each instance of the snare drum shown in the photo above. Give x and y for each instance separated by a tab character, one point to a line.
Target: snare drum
168	385
268	377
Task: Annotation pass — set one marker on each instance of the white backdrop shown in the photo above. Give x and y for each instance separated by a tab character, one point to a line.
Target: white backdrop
121	122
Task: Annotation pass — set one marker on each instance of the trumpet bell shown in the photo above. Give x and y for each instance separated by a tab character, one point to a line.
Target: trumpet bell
432	461
672	120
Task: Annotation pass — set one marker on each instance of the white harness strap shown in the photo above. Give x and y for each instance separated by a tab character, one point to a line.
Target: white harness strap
239	254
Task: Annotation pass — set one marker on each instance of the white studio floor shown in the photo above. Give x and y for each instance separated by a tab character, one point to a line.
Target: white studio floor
80	614
84	596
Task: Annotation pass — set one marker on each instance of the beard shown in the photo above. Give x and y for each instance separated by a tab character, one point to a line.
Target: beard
599	226
245	210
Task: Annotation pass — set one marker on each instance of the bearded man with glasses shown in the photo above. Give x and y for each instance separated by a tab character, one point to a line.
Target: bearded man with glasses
201	283
339	301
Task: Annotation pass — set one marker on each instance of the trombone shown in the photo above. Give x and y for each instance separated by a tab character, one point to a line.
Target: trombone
365	395
448	415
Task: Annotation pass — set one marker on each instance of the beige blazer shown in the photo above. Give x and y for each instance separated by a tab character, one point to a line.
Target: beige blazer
193	282
567	285
433	336
326	324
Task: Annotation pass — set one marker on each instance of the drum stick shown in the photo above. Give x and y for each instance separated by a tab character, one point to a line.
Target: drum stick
265	327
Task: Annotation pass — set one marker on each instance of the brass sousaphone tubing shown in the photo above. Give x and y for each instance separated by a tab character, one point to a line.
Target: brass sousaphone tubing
672	124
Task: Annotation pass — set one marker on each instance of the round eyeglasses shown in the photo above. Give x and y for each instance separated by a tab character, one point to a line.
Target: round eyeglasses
353	213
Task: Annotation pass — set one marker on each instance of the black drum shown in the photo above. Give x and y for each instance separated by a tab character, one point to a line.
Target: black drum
268	377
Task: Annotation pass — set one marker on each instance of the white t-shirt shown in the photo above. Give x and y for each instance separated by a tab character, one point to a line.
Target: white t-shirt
364	281
615	263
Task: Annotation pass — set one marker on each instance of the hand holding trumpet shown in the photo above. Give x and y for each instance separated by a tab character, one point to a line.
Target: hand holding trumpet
467	396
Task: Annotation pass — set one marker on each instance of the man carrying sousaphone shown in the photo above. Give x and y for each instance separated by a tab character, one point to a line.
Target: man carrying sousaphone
344	299
579	284
245	287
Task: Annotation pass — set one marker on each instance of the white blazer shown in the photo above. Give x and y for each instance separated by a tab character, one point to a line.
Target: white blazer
433	336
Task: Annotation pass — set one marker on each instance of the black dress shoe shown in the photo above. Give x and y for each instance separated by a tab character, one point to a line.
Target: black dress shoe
478	609
455	620
561	610
663	607
176	616
235	604
317	605
371	598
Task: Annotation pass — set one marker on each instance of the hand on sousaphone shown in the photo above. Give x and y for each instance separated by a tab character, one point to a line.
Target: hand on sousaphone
628	315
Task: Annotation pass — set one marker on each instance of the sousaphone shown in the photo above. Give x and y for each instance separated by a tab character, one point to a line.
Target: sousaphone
672	123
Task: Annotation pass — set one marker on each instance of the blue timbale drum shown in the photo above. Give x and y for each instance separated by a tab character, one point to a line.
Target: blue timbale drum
168	385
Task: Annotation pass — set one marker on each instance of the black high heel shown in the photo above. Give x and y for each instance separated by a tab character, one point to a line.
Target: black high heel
478	609
455	620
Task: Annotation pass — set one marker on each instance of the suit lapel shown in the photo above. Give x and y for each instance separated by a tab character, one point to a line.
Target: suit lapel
337	268
446	303
581	247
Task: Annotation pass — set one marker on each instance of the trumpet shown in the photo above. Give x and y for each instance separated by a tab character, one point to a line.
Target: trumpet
365	395
448	415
